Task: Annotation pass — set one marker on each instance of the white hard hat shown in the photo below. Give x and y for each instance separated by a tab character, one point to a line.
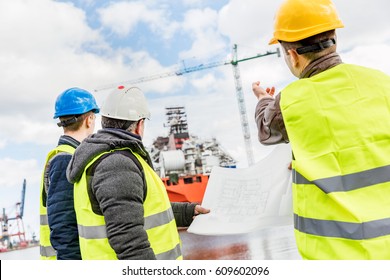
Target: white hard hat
125	103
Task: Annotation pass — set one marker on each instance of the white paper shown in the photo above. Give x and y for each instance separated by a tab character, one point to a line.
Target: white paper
246	199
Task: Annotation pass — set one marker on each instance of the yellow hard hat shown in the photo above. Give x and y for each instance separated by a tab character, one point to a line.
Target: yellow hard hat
300	19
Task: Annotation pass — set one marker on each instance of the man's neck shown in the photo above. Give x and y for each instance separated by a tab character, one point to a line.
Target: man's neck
321	64
79	135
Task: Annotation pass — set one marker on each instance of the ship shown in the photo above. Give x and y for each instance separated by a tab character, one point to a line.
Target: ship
184	161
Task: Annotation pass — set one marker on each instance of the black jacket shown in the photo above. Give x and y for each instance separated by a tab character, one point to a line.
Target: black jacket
60	209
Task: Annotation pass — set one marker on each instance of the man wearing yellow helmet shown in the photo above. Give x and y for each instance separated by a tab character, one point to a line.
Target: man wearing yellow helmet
337	119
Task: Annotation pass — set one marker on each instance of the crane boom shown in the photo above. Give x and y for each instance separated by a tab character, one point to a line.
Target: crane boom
242	109
184	70
178	72
237	79
23	197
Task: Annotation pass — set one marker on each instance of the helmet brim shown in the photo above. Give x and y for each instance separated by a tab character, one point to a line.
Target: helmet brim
273	41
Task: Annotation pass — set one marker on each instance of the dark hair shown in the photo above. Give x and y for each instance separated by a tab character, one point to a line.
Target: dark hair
331	34
116	123
76	124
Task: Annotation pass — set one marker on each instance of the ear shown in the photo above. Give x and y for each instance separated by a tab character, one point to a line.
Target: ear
139	127
294	57
89	120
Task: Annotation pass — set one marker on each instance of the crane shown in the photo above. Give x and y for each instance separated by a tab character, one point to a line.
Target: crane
19	221
237	78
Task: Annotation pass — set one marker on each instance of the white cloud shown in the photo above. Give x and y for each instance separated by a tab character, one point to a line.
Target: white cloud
42	26
11	171
201	26
22	129
124	17
144	66
192	3
3	143
205	83
41	52
250	24
365	23
374	56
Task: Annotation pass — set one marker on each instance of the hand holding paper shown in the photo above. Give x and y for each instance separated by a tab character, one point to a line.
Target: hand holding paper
243	200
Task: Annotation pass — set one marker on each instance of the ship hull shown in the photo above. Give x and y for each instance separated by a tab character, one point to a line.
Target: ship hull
189	188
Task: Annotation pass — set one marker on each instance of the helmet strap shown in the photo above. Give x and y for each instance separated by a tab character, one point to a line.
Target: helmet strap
126	125
67	122
317	46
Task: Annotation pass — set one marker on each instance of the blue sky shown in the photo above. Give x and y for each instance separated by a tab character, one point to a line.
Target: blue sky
48	46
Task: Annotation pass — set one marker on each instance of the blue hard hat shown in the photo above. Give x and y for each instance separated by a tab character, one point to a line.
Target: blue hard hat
75	101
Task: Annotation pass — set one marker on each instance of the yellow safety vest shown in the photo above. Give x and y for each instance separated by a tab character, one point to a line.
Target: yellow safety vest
160	224
47	252
338	123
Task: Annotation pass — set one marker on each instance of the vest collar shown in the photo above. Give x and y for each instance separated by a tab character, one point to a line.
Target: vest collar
321	64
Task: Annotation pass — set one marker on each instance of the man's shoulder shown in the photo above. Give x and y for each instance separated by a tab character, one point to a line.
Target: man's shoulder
118	160
60	161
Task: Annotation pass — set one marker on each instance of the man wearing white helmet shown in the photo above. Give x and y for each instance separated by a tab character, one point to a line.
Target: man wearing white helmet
76	110
122	208
337	119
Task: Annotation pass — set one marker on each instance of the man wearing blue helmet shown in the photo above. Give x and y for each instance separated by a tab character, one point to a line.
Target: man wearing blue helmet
122	207
76	110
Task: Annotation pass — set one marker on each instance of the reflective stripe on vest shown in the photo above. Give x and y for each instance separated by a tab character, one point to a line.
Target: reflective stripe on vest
93	232
99	232
348	182
47	252
338	123
159	221
356	231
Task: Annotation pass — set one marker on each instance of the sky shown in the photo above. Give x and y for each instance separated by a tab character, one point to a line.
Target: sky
48	46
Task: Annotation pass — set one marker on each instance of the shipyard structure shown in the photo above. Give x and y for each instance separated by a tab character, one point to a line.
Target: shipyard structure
184	161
